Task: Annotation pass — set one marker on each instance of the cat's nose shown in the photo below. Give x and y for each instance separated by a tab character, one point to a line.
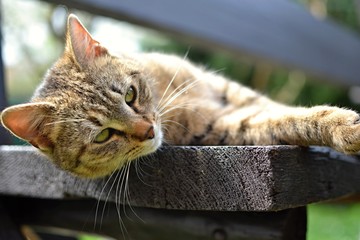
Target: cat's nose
151	133
143	131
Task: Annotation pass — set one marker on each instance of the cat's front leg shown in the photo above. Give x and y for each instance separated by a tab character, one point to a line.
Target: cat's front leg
321	125
342	126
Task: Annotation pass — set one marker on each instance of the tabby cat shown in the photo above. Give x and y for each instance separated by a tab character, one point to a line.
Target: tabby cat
95	112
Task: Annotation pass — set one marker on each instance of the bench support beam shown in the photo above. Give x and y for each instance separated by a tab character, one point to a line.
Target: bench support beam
140	223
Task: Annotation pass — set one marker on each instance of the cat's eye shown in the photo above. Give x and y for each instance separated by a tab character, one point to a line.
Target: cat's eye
103	136
130	96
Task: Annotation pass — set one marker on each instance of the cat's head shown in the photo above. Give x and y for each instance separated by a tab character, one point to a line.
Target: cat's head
92	113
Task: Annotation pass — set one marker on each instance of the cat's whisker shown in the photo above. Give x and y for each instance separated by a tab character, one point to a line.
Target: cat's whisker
108	195
179	93
127	192
186	105
167	142
167	88
119	190
166	130
175	93
99	198
180	106
179	124
217	71
121	194
178	88
140	172
173	78
118	201
125	202
150	158
182	88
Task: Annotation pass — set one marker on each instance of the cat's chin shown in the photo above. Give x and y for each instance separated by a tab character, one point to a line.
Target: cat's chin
106	167
153	144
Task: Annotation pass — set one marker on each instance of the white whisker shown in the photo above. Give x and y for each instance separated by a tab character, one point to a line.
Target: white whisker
118	202
179	93
122	188
127	192
173	78
178	88
179	124
99	198
108	195
180	106
140	172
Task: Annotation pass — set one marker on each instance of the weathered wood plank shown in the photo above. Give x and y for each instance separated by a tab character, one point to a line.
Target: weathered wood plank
246	178
159	224
276	30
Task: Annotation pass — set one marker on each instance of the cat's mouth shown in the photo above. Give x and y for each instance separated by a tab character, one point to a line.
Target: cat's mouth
153	144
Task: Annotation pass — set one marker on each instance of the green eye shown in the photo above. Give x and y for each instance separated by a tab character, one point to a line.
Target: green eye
103	136
130	96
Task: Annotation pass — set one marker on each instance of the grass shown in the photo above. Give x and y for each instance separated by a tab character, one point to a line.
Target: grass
333	222
87	237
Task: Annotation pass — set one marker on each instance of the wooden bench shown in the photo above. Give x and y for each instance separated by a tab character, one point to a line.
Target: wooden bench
199	192
188	192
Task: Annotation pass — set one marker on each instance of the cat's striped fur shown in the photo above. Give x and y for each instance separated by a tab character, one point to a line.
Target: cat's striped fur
95	112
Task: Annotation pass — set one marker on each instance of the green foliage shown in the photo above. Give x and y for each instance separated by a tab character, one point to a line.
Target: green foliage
90	237
344	12
278	83
333	222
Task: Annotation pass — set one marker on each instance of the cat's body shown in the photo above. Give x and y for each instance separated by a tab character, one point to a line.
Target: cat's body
95	112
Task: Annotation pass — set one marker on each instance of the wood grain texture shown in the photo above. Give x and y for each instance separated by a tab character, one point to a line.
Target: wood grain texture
277	31
197	178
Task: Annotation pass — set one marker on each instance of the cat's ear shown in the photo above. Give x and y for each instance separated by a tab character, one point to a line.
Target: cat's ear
28	122
80	43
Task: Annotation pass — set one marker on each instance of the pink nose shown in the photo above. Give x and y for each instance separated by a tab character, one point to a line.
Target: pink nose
150	133
143	131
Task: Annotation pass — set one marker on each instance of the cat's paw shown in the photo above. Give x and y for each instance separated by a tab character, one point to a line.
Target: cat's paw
344	130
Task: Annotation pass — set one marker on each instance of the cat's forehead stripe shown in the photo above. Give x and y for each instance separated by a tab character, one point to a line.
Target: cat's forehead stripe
116	89
95	121
98	114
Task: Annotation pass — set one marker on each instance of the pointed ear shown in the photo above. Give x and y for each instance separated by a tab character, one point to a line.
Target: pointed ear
28	122
79	41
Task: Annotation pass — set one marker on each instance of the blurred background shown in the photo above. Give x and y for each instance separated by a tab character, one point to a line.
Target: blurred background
33	38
